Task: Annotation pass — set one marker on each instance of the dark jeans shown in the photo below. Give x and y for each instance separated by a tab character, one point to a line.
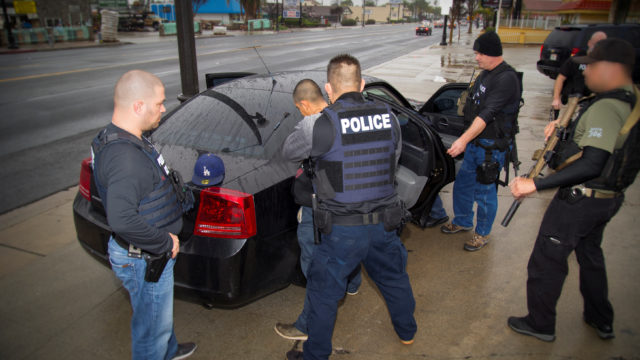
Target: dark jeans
568	227
305	240
334	259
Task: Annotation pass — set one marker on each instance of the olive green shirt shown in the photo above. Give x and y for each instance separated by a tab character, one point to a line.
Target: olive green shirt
600	125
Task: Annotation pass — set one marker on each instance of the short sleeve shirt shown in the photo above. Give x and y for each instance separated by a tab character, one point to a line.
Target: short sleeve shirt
600	125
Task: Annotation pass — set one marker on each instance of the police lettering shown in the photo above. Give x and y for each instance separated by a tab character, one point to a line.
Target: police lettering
368	123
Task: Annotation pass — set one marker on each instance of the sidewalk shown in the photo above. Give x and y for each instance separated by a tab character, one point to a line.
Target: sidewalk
59	303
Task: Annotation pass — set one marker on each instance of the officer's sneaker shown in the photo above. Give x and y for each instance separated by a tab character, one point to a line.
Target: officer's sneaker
406	342
605	332
184	351
290	332
521	326
294	355
452	228
476	243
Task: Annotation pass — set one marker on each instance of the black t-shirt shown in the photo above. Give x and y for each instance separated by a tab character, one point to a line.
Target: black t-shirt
575	79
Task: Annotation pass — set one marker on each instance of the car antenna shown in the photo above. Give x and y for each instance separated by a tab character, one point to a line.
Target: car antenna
273	80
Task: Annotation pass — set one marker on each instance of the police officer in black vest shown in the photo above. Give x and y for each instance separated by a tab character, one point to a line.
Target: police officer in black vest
144	207
490	115
355	148
596	163
570	80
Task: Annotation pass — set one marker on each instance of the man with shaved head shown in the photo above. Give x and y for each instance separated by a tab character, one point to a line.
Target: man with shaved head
355	147
570	80
144	214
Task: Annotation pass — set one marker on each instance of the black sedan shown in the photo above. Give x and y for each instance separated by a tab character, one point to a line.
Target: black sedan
423	29
239	242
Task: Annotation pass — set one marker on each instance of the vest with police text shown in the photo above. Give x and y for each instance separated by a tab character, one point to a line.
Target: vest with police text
360	166
160	207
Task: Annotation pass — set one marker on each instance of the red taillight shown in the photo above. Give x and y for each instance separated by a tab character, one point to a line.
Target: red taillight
541	48
574	51
226	213
85	179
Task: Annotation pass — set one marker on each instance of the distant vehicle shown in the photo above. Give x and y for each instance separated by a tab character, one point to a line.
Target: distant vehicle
438	23
452	25
567	40
424	28
239	241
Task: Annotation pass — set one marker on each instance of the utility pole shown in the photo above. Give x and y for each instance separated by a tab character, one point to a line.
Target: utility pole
498	16
300	23
444	31
363	3
277	15
186	49
7	25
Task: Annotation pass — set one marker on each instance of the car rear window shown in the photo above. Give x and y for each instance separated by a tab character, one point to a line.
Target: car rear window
248	122
560	38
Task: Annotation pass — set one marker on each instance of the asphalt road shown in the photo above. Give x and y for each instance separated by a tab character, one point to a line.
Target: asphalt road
53	102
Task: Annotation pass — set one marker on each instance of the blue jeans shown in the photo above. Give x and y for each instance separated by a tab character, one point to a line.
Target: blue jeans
152	336
466	190
334	259
437	209
305	239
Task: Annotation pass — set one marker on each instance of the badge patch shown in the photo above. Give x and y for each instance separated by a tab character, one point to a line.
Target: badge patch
595	133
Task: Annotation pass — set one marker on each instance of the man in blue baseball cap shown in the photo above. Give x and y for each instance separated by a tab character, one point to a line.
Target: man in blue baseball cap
208	171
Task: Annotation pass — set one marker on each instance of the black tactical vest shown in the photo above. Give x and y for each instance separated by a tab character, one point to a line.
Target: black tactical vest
160	207
566	147
623	165
504	125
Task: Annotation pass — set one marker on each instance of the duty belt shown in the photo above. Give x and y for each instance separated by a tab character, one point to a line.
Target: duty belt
359	219
593	193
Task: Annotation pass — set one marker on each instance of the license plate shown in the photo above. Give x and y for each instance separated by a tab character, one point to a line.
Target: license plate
553	57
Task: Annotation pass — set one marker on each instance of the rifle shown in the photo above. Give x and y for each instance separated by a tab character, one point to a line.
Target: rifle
546	154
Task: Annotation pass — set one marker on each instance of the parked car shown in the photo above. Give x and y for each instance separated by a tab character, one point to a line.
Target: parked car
425	28
566	41
239	242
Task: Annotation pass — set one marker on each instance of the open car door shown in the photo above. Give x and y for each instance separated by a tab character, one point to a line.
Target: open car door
424	168
442	110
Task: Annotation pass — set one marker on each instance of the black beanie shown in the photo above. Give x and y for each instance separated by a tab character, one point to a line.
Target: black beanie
488	44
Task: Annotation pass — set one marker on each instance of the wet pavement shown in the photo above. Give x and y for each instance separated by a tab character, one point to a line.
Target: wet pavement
59	303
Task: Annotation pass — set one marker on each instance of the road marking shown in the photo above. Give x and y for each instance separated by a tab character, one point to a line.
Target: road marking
76	71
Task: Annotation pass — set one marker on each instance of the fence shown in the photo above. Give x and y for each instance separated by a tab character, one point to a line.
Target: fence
538	22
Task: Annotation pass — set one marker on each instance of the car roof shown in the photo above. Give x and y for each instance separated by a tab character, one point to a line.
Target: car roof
285	81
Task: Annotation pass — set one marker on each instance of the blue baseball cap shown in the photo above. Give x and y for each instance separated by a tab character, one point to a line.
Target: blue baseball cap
208	171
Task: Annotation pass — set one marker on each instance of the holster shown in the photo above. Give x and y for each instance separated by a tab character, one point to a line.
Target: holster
489	171
393	217
155	265
322	221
